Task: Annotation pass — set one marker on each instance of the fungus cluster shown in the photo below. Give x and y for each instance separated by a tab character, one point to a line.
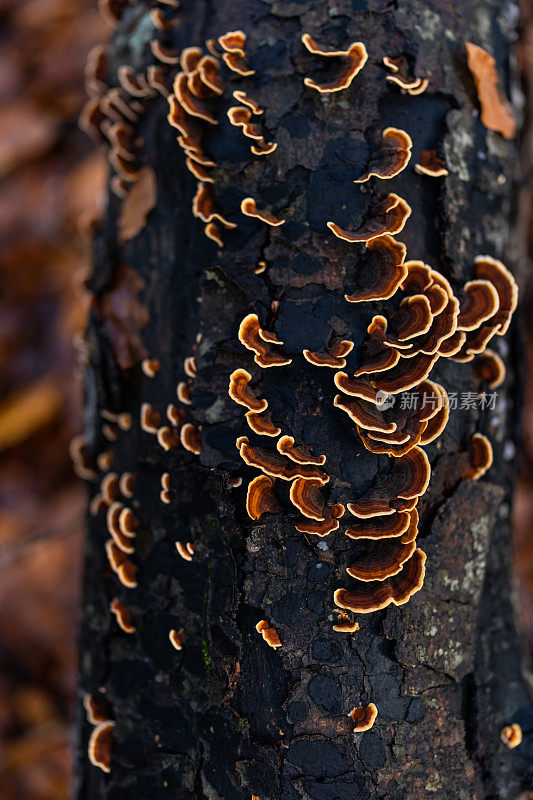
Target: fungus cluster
399	76
353	60
100	746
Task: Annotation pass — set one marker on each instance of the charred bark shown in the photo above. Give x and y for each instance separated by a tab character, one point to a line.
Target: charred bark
228	716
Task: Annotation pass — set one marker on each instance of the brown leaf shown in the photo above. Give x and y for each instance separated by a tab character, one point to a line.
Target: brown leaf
496	112
137	205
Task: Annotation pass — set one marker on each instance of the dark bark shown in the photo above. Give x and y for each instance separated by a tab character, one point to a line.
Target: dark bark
228	717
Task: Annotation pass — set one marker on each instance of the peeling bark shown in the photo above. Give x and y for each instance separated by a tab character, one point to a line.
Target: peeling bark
227	717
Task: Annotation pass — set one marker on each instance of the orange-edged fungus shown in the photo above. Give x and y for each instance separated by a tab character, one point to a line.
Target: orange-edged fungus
150	419
213	232
113	526
355	387
300	453
209	73
233	41
164	494
240	392
402	523
175	415
412	318
184	393
127	574
194	106
185	550
489	368
254	338
100	745
243	98
386	275
240	117
391	157
110	487
345	622
104	460
189	365
430	164
164	54
205	206
115	556
150	367
382	560
364	413
305	495
97	709
128	523
269	633
136	85
496	113
388	216
322	528
375	595
168	438
82	460
275	464
334	358
480	303
260	497
262	423
377	356
110	432
155	75
123	616
237	63
512	735
262	148
364	717
124	421
480	457
191	439
176	638
408	479
492	270
249	209
353	59
189	58
97	505
405	374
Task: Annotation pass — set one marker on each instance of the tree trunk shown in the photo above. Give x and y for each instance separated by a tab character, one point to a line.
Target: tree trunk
228	717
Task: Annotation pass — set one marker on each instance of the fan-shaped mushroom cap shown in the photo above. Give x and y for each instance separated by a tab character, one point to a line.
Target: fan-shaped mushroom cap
512	735
300	453
97	708
240	392
382	560
254	338
194	106
377	356
492	270
401	523
243	98
305	495
329	524
209	73
150	419
260	497
176	638
364	413
489	368
345	623
480	457
388	216
168	438
335	357
364	717
123	616
205	206
375	595
480	304
233	41
185	550
269	634
408	479
240	117
249	209
100	745
386	270
276	465
430	164
262	423
413	318
391	157
262	148
191	439
405	374
167	55
189	58
354	59
237	63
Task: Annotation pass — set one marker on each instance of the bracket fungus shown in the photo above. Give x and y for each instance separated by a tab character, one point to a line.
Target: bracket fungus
249	209
431	164
276	465
176	638
334	358
300	453
344	622
97	709
240	392
399	68
480	457
269	634
407	480
246	100
385	270
185	550
489	368
100	745
191	439
388	216
353	60
480	303
150	419
364	717
262	423
150	367
382	560
260	342
260	497
329	524
402	524
391	157
123	616
512	735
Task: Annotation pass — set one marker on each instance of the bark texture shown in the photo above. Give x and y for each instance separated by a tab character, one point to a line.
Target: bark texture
227	717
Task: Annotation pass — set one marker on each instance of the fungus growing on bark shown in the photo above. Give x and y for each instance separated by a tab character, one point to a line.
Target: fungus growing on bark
275	464
189	58
243	98
262	423
114	554
489	368
399	68
191	439
150	419
123	616
164	494
490	269
177	638
109	432
299	453
233	41
254	338
402	523
184	393
240	117
213	232
269	633
385	272
262	148
512	735
175	415
382	560
110	487
260	497
194	106
205	206
136	85
100	745
113	526
405	374
97	709
480	303
388	216
345	622
185	550
237	63
240	392
209	73
104	460
480	457
391	157
166	55
112	10
431	164
496	112
364	717
128	523
377	356
305	495
371	596
124	421
126	573
150	367
168	438
334	358
127	484
155	75
82	460
189	365
408	479
330	523
412	318
249	209
364	413
353	60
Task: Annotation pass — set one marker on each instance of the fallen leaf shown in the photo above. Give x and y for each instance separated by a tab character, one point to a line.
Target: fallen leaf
137	205
496	112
